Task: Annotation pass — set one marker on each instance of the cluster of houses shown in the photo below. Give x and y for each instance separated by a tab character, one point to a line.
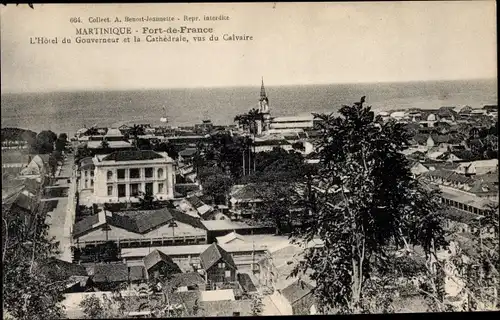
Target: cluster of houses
208	244
429	117
23	184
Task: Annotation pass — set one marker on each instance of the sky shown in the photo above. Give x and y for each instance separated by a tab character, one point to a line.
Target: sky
294	43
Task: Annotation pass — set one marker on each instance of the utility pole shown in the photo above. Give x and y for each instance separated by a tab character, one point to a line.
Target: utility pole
243	156
249	160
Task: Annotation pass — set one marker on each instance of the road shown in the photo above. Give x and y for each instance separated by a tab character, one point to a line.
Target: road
59	217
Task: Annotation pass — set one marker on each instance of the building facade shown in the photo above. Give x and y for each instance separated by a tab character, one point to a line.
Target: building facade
123	175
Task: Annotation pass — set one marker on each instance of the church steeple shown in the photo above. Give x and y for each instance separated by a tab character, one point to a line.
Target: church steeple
263	95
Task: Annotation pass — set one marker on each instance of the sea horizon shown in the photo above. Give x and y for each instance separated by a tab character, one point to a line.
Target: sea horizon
243	86
68	111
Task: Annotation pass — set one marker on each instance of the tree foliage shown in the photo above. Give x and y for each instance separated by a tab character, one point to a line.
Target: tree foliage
477	264
44	142
370	206
29	293
257	305
215	183
82	152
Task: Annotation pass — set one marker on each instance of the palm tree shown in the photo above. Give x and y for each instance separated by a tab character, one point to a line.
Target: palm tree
136	131
242	120
254	115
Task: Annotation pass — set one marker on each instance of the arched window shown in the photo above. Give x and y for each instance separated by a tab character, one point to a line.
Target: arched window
160	173
109	175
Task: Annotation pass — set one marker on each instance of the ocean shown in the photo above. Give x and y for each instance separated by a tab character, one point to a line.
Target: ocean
69	111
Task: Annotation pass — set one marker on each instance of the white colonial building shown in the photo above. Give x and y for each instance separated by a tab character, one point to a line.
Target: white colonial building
123	175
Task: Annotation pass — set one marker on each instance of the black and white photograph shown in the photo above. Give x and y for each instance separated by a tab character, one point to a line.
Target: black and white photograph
249	159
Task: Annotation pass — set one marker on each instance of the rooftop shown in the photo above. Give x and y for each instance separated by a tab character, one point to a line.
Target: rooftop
135	155
229	237
461	216
60	270
213	254
112	272
114	132
189	152
217	295
225	308
296	291
463	197
156	256
138	221
187	279
137	273
111	144
139	253
222	225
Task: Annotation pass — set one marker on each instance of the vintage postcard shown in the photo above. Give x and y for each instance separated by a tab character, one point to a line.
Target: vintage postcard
245	159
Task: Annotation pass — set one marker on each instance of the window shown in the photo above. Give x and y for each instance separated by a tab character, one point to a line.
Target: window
135	173
160	187
91	182
92	173
160	173
121	190
134	189
110	191
86	173
109	175
121	174
228	273
222	265
148	172
149	188
86	183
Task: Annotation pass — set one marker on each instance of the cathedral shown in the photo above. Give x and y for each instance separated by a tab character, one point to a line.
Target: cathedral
264	121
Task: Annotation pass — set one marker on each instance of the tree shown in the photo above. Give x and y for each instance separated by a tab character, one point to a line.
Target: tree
60	144
215	183
477	262
104	144
44	142
29	292
92	131
277	204
92	307
53	163
82	152
146	201
225	152
167	147
371	206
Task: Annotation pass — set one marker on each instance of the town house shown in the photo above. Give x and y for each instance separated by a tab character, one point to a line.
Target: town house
123	175
218	265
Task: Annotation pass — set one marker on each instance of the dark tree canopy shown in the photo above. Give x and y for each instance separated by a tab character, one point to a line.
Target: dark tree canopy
370	204
45	142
